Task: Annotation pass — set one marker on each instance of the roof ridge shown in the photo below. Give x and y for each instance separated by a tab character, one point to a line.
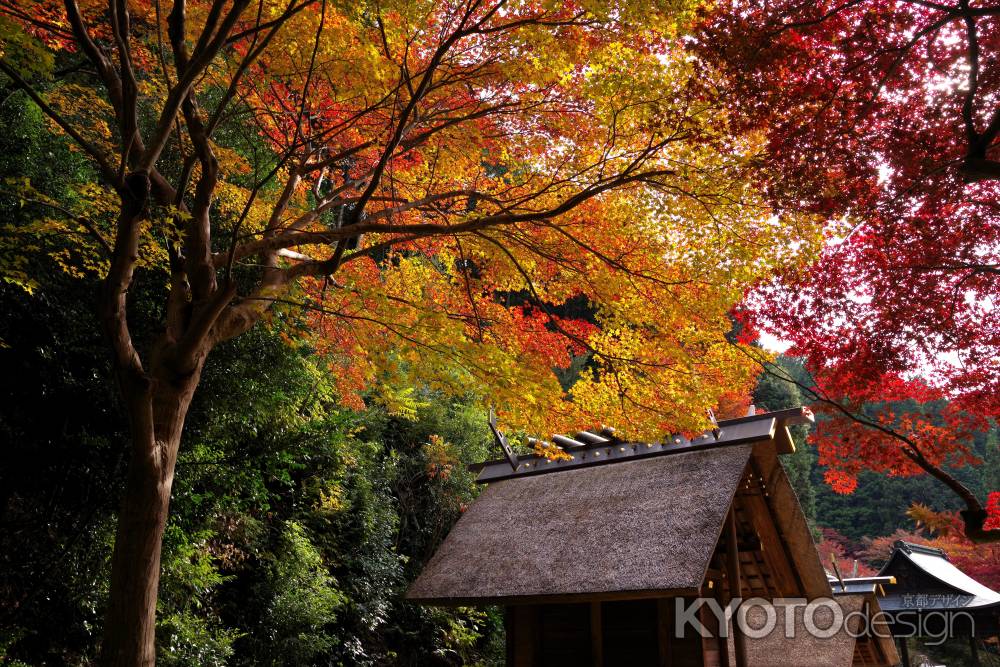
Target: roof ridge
588	447
799	415
614	452
911	548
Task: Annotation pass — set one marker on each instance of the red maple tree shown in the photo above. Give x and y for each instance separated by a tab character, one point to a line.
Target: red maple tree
882	118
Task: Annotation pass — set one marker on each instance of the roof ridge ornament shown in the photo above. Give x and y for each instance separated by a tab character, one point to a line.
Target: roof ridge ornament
910	548
592	438
716	431
601	446
501	440
567	442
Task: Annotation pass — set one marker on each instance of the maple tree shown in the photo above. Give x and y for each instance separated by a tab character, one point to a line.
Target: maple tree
881	116
412	188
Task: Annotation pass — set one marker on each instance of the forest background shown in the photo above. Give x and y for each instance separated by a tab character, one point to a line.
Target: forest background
311	487
296	524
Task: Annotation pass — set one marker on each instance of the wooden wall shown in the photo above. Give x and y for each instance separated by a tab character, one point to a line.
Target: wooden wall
598	634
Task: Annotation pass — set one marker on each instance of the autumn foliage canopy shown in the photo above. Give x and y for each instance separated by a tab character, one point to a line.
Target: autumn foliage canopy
557	208
880	116
502	161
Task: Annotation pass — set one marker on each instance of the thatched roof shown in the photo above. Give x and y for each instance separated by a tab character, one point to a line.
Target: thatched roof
777	650
627	520
639	527
878	647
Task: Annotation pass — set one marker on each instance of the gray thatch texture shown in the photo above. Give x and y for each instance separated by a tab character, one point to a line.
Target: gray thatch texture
635	526
802	648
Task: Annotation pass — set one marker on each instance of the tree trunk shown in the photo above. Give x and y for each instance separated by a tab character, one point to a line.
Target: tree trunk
157	409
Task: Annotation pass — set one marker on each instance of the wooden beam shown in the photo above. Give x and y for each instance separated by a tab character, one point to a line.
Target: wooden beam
709	645
773	549
735	583
791	523
724	660
783	443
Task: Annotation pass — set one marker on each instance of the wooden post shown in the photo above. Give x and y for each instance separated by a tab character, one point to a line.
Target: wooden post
709	645
525	635
904	651
724	660
975	651
735	584
664	628
508	627
596	635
